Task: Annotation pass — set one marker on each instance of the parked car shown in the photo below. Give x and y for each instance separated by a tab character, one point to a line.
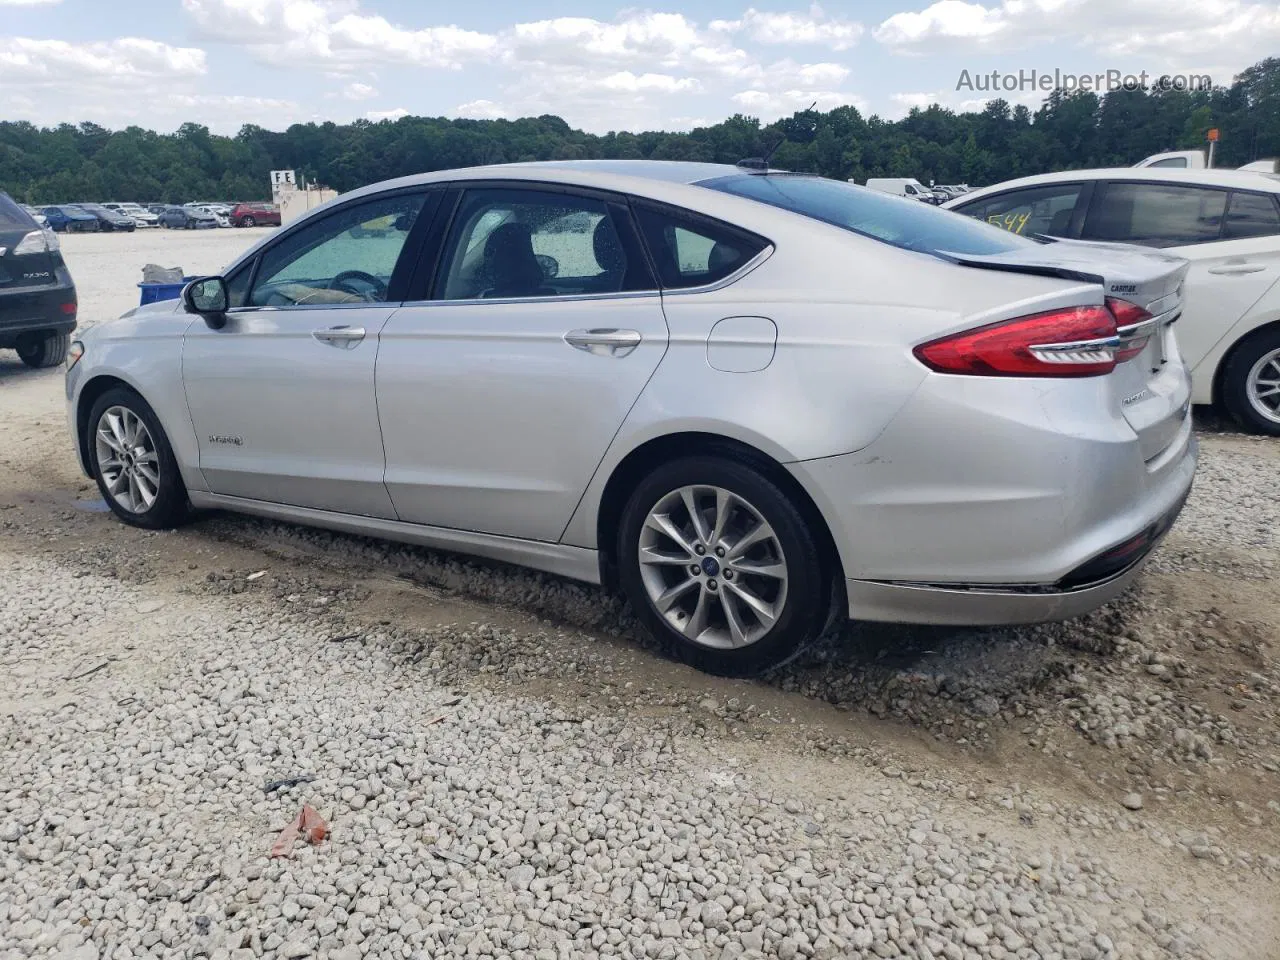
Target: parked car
157	208
67	218
255	215
141	217
902	187
186	218
1227	223
108	220
584	334
37	296
216	212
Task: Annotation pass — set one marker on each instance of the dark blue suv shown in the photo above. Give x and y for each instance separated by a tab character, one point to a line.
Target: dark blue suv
37	296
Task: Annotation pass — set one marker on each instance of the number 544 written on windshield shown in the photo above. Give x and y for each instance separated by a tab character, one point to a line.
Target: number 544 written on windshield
1013	222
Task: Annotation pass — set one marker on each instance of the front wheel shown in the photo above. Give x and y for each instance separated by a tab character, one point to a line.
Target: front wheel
721	567
133	462
1251	383
248	222
41	350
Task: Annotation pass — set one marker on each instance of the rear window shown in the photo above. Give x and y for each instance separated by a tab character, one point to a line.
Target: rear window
901	222
13	217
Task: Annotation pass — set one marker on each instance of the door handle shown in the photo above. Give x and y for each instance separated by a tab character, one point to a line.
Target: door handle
346	337
1237	269
604	341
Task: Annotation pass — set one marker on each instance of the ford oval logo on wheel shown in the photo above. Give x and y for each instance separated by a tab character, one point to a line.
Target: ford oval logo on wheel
710	567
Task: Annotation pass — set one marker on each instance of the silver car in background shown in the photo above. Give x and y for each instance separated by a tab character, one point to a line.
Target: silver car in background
753	400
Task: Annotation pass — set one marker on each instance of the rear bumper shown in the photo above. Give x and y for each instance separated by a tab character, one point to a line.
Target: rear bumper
997	501
36	309
996	605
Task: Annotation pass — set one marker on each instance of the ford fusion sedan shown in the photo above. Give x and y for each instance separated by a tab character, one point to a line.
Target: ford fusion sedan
755	401
1225	222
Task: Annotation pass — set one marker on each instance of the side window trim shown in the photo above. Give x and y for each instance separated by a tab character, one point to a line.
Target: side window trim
669	210
616	204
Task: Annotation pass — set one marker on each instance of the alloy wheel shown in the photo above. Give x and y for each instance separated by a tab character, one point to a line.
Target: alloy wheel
1262	386
713	567
127	459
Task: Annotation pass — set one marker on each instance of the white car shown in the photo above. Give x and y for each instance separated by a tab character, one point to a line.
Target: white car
1226	222
215	211
138	214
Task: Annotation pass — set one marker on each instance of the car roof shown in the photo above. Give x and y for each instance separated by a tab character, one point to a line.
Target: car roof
1237	179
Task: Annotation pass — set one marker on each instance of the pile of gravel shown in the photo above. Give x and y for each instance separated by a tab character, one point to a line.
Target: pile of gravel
134	821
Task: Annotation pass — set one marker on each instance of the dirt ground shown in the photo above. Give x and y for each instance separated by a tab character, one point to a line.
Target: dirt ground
1172	693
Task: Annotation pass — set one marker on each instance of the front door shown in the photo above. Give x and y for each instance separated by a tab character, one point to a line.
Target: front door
282	397
499	398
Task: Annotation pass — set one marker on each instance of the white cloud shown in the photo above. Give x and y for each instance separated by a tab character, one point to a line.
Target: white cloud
395	114
331	32
1167	31
60	62
359	91
814	27
28	3
481	110
627	82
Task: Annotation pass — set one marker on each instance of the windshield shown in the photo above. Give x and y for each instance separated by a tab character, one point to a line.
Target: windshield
899	221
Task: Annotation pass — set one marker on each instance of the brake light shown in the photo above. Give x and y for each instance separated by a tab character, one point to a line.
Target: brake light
1075	342
34	242
69	308
1127	315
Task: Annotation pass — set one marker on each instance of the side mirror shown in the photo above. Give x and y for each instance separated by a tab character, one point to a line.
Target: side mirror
207	296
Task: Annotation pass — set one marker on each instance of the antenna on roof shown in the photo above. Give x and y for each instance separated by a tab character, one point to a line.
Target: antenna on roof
762	163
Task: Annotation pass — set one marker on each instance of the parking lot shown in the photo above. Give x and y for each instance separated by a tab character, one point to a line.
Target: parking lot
1108	787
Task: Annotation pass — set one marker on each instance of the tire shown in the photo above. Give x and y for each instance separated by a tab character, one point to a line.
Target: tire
798	602
248	222
169	506
41	350
1252	371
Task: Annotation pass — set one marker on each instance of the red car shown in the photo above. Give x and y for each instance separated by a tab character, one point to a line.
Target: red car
255	215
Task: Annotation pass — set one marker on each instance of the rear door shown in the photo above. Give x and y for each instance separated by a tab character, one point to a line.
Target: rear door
500	394
1231	237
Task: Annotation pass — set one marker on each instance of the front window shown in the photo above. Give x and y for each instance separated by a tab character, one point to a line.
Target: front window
893	220
1034	210
346	257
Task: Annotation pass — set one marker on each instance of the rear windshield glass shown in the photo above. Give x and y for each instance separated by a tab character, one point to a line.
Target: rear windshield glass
13	217
900	221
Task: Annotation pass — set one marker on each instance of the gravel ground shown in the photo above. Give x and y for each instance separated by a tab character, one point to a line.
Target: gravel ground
507	771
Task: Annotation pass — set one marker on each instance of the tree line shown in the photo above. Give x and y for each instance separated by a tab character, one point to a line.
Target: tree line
1069	131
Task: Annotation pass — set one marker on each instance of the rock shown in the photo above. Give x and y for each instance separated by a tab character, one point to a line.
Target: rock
713	915
1132	801
975	937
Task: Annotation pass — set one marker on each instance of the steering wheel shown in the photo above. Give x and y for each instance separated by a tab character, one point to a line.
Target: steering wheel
341	281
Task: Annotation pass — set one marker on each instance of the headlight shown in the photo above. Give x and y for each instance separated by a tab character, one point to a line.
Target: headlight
74	353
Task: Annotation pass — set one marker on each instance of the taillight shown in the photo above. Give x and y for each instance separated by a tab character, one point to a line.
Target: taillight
1075	342
1128	315
34	242
69	309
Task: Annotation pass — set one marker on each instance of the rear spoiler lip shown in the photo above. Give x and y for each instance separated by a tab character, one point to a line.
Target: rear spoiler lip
1038	270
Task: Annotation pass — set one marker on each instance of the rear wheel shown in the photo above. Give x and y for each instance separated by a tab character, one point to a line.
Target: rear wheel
43	349
248	222
1251	383
720	566
133	462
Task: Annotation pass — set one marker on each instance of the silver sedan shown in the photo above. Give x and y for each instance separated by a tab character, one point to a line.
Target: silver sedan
755	401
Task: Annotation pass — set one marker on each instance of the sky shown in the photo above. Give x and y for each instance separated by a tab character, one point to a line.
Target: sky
670	65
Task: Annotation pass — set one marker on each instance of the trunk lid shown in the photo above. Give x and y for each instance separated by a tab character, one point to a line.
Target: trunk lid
1152	390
